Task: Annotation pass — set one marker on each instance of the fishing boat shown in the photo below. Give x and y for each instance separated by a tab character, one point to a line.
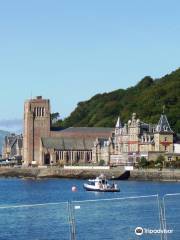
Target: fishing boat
100	184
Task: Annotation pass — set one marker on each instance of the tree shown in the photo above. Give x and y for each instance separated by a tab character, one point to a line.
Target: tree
143	162
159	163
146	99
54	117
101	162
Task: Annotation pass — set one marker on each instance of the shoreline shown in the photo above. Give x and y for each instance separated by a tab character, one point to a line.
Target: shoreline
117	173
56	172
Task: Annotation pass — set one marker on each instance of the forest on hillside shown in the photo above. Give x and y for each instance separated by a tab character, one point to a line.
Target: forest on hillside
147	99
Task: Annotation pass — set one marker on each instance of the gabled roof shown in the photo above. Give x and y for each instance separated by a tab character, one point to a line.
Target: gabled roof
84	132
163	125
12	140
68	143
87	130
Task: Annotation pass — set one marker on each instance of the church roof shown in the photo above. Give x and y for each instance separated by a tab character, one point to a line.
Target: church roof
68	143
88	129
163	125
102	141
83	132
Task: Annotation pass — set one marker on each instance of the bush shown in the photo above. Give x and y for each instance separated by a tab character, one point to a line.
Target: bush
159	161
143	162
101	162
151	164
61	163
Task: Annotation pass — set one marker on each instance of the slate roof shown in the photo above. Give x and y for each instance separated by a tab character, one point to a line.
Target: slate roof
83	132
9	140
147	127
13	141
68	143
88	130
163	125
102	140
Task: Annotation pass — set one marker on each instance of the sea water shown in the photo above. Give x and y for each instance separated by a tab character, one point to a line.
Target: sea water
48	209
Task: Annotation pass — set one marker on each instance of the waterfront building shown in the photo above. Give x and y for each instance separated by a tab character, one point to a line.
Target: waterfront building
13	147
125	144
137	139
44	145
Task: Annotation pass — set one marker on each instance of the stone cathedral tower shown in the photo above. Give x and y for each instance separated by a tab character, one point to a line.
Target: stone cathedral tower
36	126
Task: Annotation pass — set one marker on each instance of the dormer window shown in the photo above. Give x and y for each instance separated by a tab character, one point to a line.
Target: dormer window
165	129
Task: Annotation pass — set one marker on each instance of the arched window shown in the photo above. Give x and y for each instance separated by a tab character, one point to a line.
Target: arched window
38	112
57	156
35	112
43	112
47	159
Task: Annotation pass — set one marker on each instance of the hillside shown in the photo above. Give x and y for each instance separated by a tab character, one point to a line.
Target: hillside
2	135
147	99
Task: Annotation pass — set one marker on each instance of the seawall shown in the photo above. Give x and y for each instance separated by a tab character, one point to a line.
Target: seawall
56	172
117	173
156	175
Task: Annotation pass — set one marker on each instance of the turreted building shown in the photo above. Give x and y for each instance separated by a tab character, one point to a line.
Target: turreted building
136	139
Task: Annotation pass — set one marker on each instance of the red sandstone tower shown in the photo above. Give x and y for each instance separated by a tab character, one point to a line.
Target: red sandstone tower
36	126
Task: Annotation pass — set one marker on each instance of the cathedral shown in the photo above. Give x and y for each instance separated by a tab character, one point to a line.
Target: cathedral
44	145
124	144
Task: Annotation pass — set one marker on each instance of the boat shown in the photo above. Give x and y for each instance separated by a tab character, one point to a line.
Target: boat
100	184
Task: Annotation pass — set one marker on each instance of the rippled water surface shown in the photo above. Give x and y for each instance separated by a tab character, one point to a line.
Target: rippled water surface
40	209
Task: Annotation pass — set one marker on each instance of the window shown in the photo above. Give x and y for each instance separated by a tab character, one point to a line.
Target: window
43	111
165	128
35	111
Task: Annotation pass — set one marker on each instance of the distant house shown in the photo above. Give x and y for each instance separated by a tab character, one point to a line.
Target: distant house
13	147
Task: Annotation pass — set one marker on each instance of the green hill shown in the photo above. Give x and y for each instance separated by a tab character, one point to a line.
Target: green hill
147	99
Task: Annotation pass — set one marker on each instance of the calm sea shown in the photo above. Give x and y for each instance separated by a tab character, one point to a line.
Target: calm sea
41	209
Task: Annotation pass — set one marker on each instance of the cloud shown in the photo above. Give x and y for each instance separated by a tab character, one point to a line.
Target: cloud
11	125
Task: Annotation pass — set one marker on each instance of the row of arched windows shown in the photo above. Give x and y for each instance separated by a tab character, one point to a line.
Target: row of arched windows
39	111
74	155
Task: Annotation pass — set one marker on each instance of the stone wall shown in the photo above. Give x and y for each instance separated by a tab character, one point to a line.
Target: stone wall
54	172
155	175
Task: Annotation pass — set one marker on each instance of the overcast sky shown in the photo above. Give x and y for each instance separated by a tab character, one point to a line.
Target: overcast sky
70	50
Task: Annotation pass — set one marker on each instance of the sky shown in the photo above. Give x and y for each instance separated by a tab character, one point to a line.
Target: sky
68	51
